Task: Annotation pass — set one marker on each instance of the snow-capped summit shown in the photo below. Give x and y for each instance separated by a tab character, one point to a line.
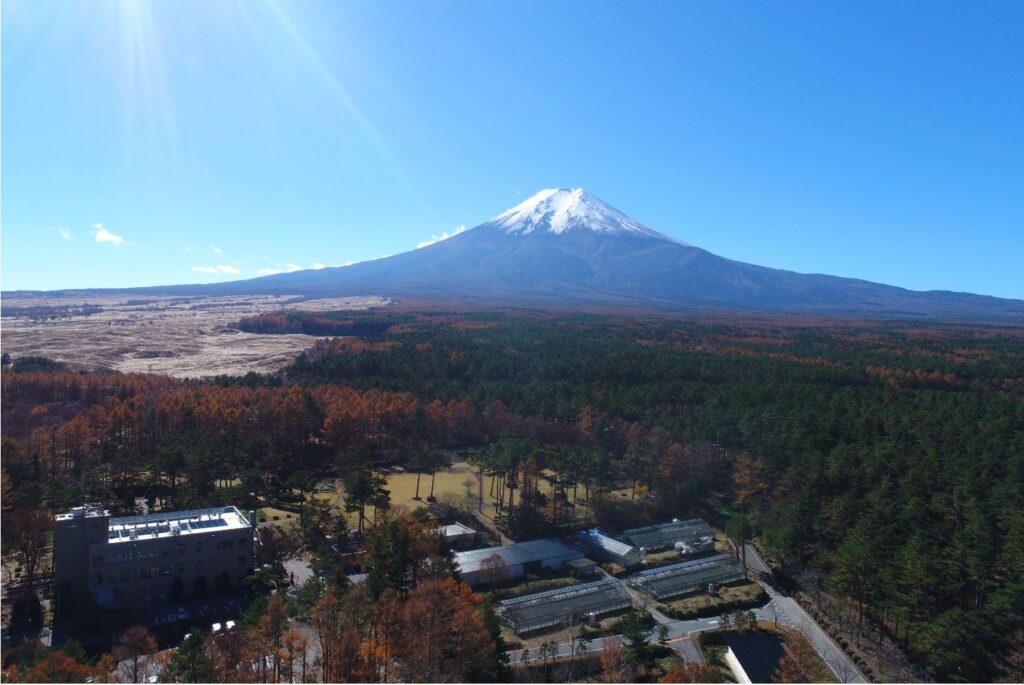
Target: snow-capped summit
557	210
567	248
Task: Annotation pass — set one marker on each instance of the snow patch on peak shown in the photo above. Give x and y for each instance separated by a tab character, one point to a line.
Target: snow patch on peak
558	210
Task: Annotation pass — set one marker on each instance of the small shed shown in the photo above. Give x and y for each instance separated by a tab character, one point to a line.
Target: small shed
582	568
458	535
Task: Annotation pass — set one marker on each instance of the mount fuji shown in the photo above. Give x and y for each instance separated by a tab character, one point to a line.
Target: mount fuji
568	247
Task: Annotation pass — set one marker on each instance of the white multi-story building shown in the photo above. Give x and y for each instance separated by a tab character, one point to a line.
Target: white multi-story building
134	561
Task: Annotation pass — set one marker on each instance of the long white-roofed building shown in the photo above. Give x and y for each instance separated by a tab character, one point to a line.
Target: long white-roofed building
134	561
508	562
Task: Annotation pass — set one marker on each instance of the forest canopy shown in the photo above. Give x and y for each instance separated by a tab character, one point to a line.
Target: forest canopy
885	458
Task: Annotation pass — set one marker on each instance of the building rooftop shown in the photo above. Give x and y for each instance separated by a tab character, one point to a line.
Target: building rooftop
517	553
85	511
455	529
564	604
596	539
581	563
759	654
190	522
688	576
665	535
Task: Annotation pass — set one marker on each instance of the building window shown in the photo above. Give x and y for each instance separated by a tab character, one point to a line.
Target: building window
98	580
97	561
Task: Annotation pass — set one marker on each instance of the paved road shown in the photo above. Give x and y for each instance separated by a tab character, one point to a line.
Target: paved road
832	655
754	562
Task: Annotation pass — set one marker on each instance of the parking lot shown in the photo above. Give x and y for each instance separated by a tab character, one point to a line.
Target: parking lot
171	621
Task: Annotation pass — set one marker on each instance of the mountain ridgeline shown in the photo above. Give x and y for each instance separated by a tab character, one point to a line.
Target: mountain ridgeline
566	247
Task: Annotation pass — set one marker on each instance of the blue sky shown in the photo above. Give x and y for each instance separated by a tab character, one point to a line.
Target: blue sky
186	141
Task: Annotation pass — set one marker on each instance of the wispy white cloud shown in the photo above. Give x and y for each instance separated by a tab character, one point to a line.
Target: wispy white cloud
65	233
188	248
318	266
219	269
102	235
444	236
286	269
216	250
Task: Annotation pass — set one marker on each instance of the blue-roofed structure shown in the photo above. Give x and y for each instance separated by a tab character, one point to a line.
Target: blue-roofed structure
606	548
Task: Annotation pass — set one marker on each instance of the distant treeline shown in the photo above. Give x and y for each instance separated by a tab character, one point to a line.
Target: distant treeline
310	323
49	311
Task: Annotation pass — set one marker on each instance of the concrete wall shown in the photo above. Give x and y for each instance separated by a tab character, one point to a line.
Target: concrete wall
143	572
136	573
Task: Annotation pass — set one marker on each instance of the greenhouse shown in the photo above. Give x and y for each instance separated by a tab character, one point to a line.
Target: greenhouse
564	604
666	535
689	576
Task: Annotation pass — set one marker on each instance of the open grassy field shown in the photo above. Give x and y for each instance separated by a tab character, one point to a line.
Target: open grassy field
186	337
283	518
460	480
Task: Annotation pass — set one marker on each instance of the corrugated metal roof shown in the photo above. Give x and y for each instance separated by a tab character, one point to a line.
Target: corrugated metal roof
518	553
596	538
664	535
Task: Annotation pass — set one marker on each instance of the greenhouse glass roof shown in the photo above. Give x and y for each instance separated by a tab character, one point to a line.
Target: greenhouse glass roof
665	535
552	607
688	576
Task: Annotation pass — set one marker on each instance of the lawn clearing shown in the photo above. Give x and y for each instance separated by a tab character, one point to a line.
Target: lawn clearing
460	480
